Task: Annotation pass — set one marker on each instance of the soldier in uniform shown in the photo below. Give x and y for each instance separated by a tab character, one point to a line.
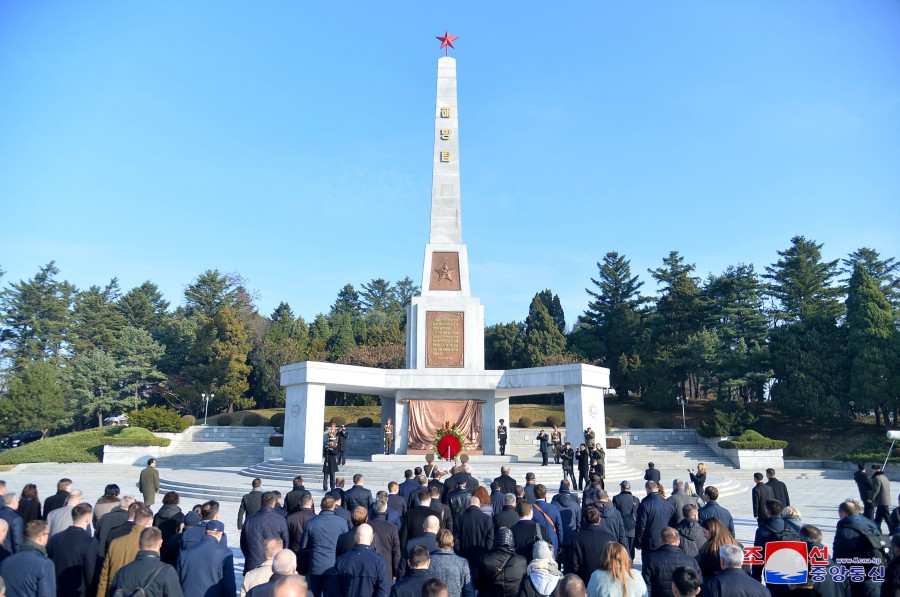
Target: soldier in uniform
545	446
342	445
501	437
590	438
388	436
429	468
556	440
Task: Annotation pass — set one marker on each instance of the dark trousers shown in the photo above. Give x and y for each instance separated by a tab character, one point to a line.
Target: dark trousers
629	545
502	448
387	446
326	478
565	558
556	450
544	457
341	458
316	584
568	472
869	510
882	513
582	477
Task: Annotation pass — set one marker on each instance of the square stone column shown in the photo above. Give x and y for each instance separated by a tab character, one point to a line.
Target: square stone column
304	423
585	408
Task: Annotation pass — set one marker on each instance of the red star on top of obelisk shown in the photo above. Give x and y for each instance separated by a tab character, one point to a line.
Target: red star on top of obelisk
447	41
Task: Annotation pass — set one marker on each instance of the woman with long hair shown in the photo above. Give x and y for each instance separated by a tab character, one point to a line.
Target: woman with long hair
699	480
616	577
485	498
29	504
716	535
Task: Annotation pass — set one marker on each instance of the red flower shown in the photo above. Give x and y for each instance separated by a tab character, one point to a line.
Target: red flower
449	446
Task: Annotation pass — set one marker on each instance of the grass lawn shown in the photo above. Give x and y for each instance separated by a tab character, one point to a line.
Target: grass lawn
78	446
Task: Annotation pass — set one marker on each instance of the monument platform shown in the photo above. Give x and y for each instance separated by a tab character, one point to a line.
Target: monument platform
418	457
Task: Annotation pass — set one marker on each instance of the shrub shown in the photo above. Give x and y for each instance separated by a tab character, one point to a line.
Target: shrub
252	420
365	422
223	421
189	420
725	423
553	420
871	450
613	442
80	446
338	421
277	421
636	423
525	422
157	418
276	441
752	440
608	421
666	424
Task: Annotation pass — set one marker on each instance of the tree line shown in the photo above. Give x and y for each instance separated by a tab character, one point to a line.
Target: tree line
818	338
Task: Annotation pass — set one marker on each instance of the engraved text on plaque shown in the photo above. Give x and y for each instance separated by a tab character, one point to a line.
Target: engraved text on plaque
444	339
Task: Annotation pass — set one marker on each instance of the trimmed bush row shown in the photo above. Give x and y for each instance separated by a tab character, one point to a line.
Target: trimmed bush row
752	440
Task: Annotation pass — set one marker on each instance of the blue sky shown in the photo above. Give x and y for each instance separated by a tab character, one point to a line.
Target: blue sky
292	142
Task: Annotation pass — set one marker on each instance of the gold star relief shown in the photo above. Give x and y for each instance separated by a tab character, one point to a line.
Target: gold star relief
445	273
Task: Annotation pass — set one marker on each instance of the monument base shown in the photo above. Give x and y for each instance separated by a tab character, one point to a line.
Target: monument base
419	459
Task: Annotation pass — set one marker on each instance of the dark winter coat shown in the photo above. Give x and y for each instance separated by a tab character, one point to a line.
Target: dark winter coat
713	510
250	503
498	500
658	566
627	504
413	526
13	541
525	534
360	572
733	582
443	512
296	522
568	459
588	548
507	518
849	543
29	572
699	481
136	574
411	584
691	536
474	534
780	491
29	510
207	569
611	521
387	543
396	502
74	555
652	474
761	493
863	484
57	500
507	484
194	535
653	516
320	538
168	520
570	513
496	579
543	443
406	488
294	497
259	527
357	496
881	490
457	500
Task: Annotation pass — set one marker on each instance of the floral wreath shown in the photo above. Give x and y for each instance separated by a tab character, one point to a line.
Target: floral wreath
449	443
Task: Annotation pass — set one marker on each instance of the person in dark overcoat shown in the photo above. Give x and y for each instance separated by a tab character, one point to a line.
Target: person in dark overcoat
544	447
74	554
360	572
501	570
589	544
259	527
653	516
208	568
330	467
474	533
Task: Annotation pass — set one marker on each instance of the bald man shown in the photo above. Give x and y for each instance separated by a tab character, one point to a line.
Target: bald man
361	572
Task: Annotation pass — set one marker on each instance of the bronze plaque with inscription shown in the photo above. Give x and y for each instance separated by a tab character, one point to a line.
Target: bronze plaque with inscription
444	271
445	339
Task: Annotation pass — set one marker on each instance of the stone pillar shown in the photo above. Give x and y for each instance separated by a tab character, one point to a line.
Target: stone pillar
304	423
401	425
584	408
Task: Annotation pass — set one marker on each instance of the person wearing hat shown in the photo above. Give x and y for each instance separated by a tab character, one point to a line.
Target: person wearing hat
172	546
627	505
529	487
207	568
542	575
502	434
501	570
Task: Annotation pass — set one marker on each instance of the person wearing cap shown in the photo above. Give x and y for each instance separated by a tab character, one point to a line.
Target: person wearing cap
208	567
610	518
570	514
171	547
627	504
529	487
501	570
542	575
502	434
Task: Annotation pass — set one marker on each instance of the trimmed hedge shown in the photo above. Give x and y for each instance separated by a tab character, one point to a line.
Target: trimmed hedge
364	422
871	450
553	420
79	446
613	442
277	421
251	420
223	421
189	419
136	436
276	441
636	423
752	440
525	422
157	418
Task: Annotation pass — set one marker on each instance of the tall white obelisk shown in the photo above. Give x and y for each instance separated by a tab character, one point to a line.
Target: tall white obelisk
446	323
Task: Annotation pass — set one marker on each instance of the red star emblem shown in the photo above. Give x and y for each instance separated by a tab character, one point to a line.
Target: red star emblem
447	41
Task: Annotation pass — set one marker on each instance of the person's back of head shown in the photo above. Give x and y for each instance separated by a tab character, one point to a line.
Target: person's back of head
774	507
407	474
306	501
111	490
524	510
271	546
690	511
268	499
418	558
540	491
358	479
445	539
731	556
292	585
509	499
431	524
571	585
364	534
284	561
150	539
686	582
380	507
132	509
298	481
393	487
143	517
359	516
670	536
435	587
504	470
256	483
418	471
35	530
651	487
76	496
495	486
209	510
424	498
63	484
592	515
847	508
11	500
435	493
327	503
810	534
757	477
712	493
80	512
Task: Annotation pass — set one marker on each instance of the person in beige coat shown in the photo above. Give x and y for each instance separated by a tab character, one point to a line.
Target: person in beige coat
123	550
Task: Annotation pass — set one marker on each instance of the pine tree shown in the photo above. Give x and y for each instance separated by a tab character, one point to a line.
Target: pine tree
347	302
218	362
35	400
542	337
554	308
96	318
504	346
94	384
802	283
136	354
885	272
144	307
871	330
213	290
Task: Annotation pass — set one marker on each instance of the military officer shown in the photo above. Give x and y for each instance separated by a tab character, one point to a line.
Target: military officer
501	437
556	441
388	436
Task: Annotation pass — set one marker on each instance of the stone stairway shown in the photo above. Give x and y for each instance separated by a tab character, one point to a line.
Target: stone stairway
218	446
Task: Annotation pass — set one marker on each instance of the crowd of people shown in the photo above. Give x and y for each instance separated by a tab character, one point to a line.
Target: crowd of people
439	535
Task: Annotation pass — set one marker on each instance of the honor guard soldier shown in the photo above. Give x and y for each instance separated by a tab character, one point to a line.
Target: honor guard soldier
388	436
556	440
501	437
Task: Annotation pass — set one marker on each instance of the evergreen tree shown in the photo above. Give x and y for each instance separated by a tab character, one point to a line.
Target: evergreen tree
885	272
213	290
35	400
96	318
342	340
504	346
144	307
347	303
136	354
94	384
871	331
543	340
218	362
554	308
36	318
802	283
379	295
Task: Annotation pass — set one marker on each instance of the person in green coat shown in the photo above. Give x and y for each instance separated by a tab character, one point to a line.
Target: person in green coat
149	482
